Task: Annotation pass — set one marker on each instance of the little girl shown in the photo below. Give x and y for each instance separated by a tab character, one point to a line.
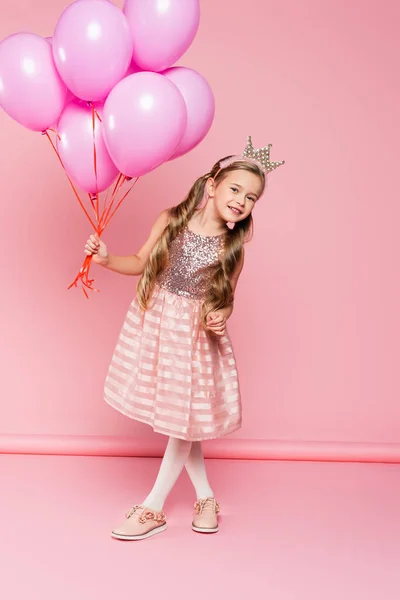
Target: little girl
173	366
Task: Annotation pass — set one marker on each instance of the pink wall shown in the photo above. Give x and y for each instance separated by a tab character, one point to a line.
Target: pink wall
316	326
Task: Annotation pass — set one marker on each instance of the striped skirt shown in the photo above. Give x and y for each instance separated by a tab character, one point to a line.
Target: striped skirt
166	371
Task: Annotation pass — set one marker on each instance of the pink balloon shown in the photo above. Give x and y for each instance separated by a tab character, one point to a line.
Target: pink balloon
31	90
75	147
200	105
144	120
162	30
133	68
92	47
70	95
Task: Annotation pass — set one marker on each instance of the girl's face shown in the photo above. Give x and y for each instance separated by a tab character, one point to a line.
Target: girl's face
235	196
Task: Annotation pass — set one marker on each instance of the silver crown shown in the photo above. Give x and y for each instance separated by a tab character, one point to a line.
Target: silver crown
261	156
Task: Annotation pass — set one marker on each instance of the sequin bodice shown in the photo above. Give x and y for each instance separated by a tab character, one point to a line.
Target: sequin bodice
192	261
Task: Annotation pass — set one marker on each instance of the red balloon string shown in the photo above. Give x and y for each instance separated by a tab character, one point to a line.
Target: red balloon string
120	202
54	131
69	179
119	183
95	160
101	220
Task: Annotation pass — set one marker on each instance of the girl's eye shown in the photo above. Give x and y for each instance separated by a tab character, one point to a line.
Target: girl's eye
234	189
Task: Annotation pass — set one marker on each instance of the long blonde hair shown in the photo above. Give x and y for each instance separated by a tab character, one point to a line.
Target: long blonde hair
219	293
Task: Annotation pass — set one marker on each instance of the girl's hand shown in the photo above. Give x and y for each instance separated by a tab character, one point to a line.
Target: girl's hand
96	248
216	322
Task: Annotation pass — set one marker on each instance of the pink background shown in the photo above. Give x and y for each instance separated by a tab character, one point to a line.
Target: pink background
316	323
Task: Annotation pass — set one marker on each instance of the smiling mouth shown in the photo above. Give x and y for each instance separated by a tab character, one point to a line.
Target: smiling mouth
235	211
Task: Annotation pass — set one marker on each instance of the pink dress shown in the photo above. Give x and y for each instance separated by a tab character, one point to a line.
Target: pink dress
166	370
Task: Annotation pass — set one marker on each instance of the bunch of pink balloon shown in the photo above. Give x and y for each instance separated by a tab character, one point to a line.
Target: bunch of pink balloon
106	84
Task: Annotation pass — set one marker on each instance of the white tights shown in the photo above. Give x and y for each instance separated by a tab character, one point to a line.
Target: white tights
178	454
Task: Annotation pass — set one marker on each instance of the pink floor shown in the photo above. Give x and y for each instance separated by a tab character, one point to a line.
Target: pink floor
288	531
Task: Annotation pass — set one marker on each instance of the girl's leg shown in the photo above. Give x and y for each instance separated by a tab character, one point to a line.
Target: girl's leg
196	469
175	456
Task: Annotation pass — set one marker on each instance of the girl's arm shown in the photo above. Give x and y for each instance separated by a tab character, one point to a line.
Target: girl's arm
216	319
134	265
